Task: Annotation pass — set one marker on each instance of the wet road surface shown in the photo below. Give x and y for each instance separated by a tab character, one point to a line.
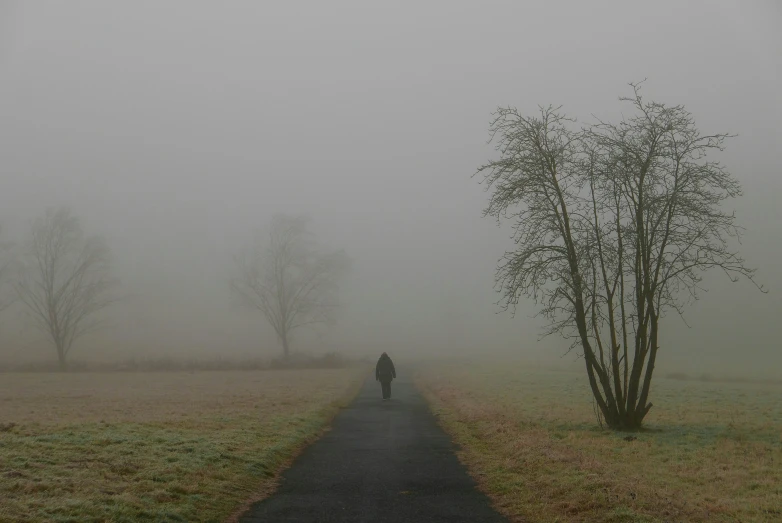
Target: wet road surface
382	462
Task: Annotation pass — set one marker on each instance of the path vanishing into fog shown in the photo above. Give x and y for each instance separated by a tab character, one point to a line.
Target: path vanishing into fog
380	462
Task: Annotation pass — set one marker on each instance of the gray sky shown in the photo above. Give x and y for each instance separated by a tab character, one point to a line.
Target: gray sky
176	128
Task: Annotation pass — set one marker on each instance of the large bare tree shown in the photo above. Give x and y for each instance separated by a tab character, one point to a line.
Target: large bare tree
66	279
288	278
614	226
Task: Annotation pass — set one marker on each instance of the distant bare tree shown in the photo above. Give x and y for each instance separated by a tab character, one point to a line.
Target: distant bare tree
66	279
292	282
7	265
614	226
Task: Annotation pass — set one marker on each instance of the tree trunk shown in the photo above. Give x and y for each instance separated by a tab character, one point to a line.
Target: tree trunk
632	418
63	363
643	407
285	347
628	420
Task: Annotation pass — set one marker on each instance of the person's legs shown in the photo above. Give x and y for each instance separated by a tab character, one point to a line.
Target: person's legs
386	389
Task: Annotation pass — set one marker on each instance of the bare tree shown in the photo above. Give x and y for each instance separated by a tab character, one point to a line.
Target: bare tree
7	266
66	279
614	226
289	279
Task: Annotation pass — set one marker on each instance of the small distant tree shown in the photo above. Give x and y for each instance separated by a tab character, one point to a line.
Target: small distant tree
614	226
7	266
289	279
66	280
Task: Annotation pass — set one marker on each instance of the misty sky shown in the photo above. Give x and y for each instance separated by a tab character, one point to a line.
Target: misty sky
175	129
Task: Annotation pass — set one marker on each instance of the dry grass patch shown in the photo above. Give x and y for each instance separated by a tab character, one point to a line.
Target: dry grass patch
712	452
155	446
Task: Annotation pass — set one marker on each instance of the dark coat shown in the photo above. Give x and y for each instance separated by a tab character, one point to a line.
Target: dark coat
384	370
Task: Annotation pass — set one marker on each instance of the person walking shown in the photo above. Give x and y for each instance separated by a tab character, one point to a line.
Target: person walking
384	373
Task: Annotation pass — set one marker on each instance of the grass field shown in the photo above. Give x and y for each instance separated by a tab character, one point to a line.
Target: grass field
712	451
155	446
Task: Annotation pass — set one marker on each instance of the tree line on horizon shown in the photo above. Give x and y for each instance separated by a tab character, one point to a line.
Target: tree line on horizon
63	278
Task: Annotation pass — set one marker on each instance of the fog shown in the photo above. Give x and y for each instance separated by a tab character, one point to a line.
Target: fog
176	129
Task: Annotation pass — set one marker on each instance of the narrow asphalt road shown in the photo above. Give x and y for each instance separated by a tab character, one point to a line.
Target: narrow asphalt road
381	462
